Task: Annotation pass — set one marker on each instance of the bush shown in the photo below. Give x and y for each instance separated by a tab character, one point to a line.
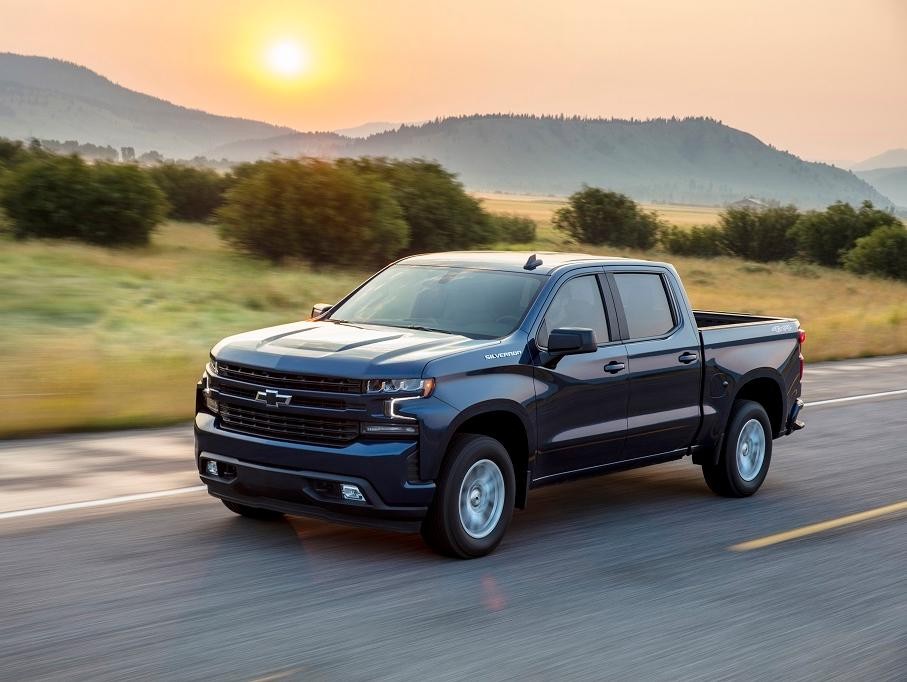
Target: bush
315	210
440	214
513	228
883	253
700	240
62	197
825	236
596	216
193	193
758	234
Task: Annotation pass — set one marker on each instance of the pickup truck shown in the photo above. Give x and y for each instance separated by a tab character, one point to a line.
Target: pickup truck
443	389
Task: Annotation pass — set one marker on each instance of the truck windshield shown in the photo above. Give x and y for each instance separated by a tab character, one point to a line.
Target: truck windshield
486	304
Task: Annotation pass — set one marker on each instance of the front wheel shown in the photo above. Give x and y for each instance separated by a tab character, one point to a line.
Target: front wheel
746	454
474	500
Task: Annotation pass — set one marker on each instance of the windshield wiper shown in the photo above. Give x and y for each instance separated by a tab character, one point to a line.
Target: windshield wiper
423	329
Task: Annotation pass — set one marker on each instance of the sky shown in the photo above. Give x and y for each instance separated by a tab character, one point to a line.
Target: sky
824	79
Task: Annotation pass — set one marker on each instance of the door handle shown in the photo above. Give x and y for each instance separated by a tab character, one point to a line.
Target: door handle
688	357
614	367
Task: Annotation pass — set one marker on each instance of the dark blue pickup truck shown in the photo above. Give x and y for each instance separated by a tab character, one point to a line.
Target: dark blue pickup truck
442	390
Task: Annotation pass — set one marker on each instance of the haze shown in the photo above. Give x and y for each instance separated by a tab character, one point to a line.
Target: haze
825	80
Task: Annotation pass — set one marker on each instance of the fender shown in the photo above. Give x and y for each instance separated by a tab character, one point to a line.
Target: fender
714	425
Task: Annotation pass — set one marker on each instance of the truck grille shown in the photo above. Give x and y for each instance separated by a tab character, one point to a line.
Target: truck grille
297	429
283	380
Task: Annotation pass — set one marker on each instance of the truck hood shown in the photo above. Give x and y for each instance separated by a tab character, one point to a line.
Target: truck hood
344	350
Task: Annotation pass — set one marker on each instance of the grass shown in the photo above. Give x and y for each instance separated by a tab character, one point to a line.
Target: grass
92	338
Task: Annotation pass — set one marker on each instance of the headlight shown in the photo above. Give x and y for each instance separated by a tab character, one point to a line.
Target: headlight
423	387
213	365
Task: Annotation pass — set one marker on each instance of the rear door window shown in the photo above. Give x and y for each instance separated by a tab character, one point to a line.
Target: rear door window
646	304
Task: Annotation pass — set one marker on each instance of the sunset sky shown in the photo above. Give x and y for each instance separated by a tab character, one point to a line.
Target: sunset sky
824	79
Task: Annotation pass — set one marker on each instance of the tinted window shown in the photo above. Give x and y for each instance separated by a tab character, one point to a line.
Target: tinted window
578	303
645	304
475	303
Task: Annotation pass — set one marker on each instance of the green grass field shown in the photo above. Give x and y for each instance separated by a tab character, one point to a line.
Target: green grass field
94	338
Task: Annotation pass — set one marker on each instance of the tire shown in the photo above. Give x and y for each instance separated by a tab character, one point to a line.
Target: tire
478	474
742	468
252	512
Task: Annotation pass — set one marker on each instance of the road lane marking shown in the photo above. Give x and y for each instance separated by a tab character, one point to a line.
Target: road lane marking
865	396
122	499
821	527
88	504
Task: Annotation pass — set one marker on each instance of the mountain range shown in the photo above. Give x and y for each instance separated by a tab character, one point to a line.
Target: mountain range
690	160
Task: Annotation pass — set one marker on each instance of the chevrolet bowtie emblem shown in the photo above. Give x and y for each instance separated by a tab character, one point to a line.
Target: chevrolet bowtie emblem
273	398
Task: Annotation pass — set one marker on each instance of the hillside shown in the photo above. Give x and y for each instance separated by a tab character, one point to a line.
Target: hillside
53	99
893	158
693	160
892	182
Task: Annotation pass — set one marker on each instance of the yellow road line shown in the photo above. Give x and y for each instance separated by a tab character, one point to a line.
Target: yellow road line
814	528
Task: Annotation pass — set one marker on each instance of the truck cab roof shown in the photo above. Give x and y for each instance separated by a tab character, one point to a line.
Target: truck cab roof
515	261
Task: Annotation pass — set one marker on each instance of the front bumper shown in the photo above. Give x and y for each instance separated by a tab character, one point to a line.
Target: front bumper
304	480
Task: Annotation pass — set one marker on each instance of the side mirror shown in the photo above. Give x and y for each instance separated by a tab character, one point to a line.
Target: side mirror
571	340
320	309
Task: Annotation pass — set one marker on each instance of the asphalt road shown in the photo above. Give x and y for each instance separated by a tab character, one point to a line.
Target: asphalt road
628	576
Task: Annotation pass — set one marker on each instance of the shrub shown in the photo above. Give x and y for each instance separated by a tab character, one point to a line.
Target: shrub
193	193
700	240
758	234
513	228
597	216
62	197
883	253
440	214
825	236
315	210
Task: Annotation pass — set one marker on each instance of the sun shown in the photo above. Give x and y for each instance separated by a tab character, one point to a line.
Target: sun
287	58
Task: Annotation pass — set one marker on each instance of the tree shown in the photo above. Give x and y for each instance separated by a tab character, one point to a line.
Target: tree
63	197
440	214
315	210
758	234
597	216
514	229
193	193
699	240
883	252
825	236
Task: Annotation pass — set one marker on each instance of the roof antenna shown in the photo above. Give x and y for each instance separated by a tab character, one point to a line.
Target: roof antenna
532	263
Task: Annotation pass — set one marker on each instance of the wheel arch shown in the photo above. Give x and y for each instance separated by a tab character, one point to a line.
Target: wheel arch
509	424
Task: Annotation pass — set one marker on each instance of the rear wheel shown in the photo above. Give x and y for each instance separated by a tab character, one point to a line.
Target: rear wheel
251	512
745	455
474	501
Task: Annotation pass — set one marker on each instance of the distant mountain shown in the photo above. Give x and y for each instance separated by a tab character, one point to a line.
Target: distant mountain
53	99
892	182
693	160
893	158
366	129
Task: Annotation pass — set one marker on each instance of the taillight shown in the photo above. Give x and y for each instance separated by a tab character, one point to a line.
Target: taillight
801	338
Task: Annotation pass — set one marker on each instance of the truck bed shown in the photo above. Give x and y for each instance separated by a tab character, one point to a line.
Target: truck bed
710	318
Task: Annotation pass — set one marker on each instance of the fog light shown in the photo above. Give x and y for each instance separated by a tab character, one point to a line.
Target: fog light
390	429
351	493
211	468
213	407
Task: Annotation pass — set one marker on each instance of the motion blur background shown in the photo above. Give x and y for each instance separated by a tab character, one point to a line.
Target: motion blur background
173	173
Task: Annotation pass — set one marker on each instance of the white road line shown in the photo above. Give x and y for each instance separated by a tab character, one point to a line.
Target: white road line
198	488
122	499
851	398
